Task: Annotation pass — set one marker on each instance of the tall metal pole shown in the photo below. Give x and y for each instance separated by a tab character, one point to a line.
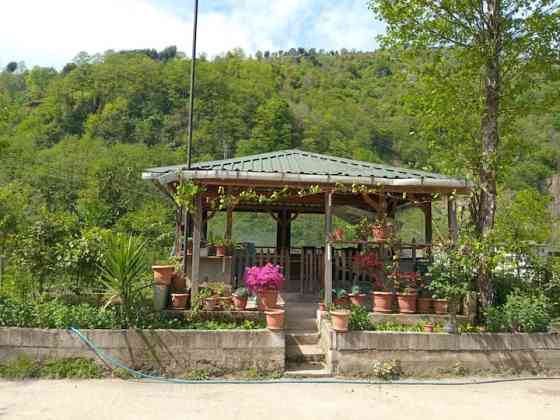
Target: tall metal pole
193	77
190	129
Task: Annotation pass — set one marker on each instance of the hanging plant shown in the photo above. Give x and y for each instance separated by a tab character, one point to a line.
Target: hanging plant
186	193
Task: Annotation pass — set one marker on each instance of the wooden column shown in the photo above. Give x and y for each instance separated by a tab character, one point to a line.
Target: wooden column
328	248
229	223
197	233
451	217
428	228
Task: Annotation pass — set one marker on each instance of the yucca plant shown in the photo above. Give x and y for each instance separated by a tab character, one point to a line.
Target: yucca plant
121	273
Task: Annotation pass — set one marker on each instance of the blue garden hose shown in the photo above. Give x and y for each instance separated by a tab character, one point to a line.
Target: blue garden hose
115	363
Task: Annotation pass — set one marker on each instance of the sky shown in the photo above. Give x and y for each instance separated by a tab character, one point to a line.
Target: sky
53	32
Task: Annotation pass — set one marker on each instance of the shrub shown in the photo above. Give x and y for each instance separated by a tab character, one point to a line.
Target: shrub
72	368
359	320
268	276
389	370
522	312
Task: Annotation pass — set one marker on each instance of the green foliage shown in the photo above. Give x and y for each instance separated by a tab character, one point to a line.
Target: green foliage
122	271
522	312
388	370
359	320
450	274
69	368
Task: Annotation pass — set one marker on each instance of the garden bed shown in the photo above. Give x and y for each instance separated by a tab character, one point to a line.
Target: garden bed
226	316
356	352
171	352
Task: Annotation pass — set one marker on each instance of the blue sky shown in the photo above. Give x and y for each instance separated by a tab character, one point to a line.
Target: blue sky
51	33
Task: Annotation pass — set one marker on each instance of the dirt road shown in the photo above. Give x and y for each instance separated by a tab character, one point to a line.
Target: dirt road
122	400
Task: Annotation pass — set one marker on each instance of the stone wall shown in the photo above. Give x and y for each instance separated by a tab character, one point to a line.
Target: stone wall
353	353
168	351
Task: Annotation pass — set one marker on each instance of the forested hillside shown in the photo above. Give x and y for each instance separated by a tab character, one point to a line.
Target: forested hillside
73	142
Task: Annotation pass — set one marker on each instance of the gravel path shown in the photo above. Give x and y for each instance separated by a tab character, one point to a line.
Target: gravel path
122	400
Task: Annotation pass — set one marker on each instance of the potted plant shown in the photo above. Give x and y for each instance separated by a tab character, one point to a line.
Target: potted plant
274	319
383	296
265	281
382	230
179	299
406	291
337	235
322	304
240	297
222	246
340	297
163	272
357	295
362	229
428	327
340	317
424	301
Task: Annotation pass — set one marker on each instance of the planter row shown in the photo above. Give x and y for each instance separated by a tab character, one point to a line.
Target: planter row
382	302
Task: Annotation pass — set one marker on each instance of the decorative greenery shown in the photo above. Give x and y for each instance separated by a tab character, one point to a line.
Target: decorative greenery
359	319
70	368
522	312
186	193
388	370
449	274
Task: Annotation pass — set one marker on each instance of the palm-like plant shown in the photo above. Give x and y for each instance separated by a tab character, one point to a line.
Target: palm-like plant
121	273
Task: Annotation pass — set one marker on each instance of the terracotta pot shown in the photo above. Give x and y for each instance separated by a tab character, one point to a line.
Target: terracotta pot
220	251
343	301
407	303
340	319
163	274
381	233
267	298
225	302
424	305
322	307
338	234
179	300
429	328
440	306
383	302
358	299
240	303
211	304
179	281
274	319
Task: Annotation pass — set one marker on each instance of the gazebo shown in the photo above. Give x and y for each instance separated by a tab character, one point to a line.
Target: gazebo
286	184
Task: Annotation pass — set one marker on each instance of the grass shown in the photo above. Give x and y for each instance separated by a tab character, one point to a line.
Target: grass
69	368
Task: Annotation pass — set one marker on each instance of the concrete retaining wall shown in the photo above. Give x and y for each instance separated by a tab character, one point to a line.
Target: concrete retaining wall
430	353
170	351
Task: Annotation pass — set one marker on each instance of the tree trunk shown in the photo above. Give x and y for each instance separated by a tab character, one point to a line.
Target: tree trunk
490	139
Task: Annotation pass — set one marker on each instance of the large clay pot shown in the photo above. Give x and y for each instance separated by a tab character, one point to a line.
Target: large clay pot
163	274
340	319
211	304
179	300
407	303
220	251
357	299
267	298
383	302
424	305
343	301
274	319
240	303
225	302
440	306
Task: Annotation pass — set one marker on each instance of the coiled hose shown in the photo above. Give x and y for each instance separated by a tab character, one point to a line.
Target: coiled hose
113	362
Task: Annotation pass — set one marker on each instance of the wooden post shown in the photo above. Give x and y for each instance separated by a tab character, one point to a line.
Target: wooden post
197	233
328	248
428	222
452	217
229	223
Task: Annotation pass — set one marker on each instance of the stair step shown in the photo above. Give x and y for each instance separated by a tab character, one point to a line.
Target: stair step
304	353
301	338
306	370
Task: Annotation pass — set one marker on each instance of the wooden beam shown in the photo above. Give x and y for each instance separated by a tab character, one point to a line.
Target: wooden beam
197	233
428	223
328	247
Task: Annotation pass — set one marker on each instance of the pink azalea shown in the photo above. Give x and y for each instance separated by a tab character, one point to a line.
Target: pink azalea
268	276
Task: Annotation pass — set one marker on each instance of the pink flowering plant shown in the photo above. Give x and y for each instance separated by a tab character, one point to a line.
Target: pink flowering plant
268	276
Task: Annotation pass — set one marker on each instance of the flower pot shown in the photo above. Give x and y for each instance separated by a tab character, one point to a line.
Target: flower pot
343	301
240	303
220	251
340	319
225	302
267	298
160	296
163	274
381	233
179	300
429	328
407	303
383	302
274	319
178	281
211	304
424	305
338	234
322	307
440	306
358	299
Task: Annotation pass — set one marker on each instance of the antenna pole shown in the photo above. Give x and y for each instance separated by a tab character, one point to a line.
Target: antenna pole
192	92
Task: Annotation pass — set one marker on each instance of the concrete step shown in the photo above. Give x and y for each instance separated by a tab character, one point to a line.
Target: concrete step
304	353
302	337
306	370
293	322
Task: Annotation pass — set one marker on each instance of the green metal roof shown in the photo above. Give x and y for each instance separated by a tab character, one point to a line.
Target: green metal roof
293	162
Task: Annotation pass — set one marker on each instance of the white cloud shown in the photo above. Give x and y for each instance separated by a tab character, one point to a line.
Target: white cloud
52	32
